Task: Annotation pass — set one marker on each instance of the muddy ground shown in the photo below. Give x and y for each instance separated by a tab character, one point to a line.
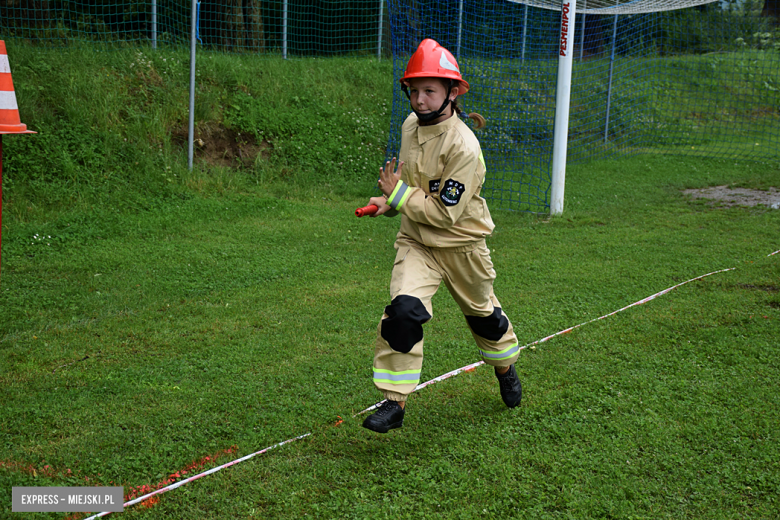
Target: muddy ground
727	196
220	146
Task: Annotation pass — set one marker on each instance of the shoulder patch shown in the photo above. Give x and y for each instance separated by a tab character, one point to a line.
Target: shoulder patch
452	192
433	186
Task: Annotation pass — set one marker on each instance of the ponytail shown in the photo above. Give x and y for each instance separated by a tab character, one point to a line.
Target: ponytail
479	120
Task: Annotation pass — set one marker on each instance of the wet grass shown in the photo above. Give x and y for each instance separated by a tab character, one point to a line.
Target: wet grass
135	345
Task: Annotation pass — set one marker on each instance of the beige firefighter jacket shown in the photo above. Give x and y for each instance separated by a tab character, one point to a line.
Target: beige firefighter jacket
438	195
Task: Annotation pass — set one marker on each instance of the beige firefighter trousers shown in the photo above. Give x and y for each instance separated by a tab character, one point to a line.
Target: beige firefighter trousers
418	271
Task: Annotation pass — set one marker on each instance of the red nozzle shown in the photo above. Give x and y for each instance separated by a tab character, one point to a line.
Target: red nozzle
368	210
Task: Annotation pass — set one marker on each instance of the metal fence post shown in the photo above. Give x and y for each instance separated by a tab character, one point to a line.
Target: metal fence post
611	70
582	31
460	28
284	30
154	24
193	42
525	27
381	21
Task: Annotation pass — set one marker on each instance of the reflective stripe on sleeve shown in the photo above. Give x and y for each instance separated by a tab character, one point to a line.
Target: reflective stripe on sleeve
501	354
399	195
406	377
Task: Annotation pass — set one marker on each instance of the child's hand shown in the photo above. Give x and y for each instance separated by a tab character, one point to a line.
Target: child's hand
381	203
389	177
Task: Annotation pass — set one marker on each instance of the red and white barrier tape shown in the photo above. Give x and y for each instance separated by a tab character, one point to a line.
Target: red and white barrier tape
551	336
442	377
196	477
640	302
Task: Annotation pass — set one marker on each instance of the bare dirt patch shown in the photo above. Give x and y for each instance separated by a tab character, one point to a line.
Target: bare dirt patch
220	146
727	196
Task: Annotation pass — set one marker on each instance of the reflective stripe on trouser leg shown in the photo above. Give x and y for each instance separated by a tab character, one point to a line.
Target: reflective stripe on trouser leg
469	278
397	363
499	352
396	374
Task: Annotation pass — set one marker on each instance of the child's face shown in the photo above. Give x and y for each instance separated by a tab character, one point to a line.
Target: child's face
428	94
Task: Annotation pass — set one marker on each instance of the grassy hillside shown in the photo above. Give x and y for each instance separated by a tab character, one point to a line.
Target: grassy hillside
113	126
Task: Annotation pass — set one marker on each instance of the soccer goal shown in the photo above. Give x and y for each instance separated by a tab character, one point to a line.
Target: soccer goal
562	83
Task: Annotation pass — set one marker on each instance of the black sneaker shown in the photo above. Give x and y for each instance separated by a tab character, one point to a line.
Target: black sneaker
511	390
389	416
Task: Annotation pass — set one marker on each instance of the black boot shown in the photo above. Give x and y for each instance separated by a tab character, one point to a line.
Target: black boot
511	390
390	415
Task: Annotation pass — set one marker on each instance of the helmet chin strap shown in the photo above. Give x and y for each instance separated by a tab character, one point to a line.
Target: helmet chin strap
430	116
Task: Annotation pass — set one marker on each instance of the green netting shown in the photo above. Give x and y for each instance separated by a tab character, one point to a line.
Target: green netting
289	27
703	80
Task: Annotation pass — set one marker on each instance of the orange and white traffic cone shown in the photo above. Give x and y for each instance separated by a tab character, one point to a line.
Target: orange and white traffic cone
9	116
9	111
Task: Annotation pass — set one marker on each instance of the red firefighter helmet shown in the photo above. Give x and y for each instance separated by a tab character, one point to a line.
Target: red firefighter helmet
431	60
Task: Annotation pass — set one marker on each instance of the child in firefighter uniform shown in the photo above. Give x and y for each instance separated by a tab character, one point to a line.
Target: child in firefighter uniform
444	222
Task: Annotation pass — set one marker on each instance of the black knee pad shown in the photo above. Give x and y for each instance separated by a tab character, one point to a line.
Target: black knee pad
402	328
491	327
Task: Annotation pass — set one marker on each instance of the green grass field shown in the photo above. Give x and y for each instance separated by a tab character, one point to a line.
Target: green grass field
219	312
